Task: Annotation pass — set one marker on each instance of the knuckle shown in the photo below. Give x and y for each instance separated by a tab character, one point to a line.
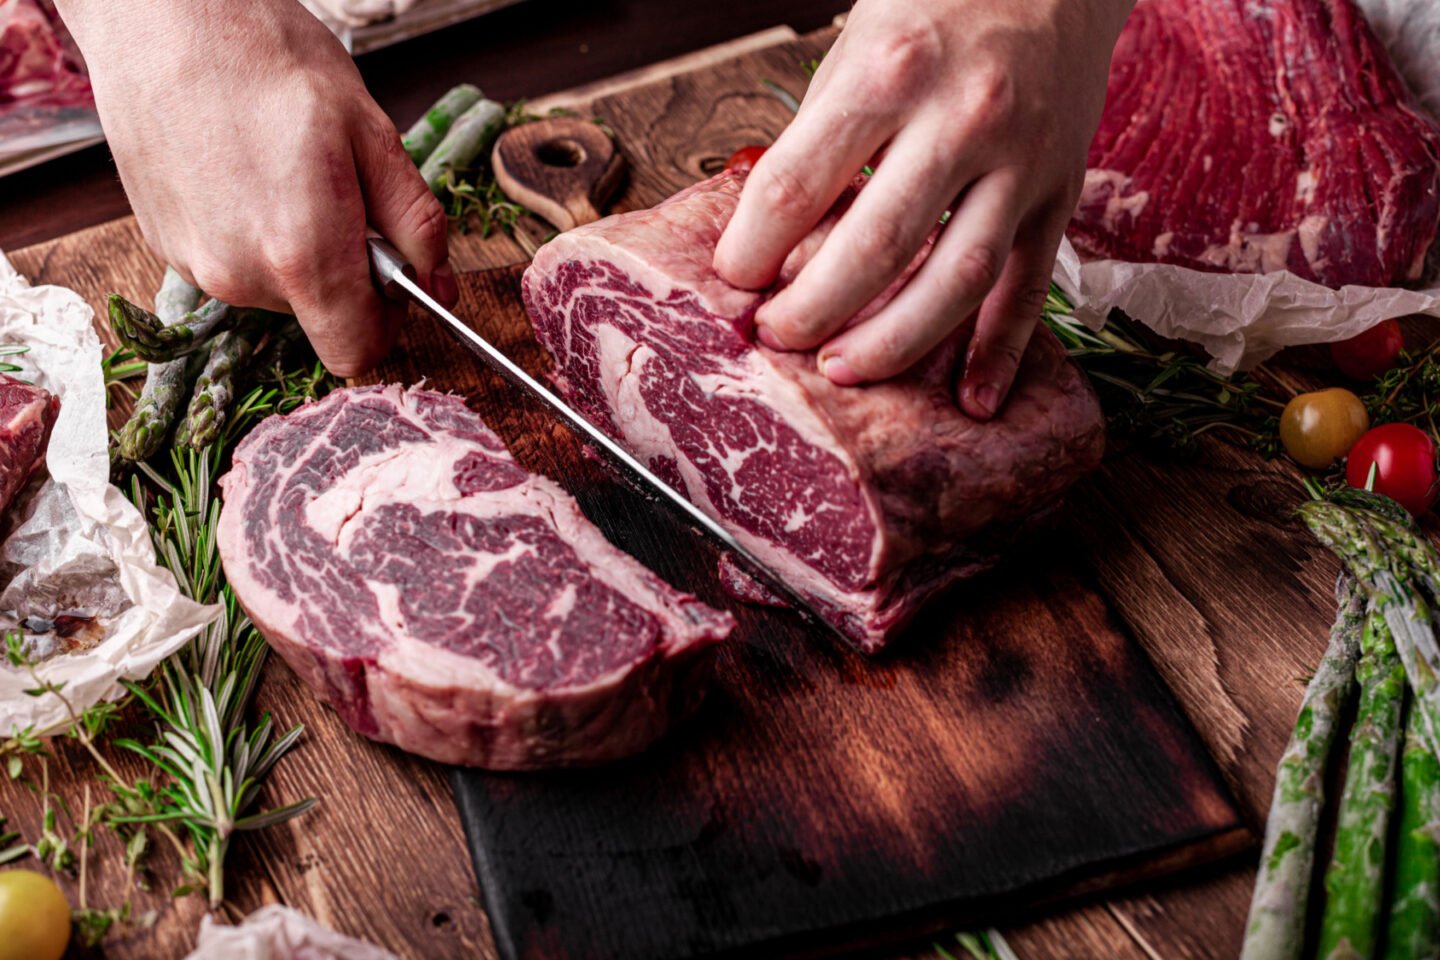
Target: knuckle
885	246
977	269
905	62
290	265
1031	294
424	219
213	277
991	96
784	193
379	136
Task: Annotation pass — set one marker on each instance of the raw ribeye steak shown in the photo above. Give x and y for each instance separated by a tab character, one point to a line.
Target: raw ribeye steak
867	500
26	415
1258	135
442	598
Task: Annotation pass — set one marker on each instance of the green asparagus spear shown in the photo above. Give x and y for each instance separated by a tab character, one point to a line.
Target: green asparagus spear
1359	537
1276	928
215	387
421	139
472	134
1413	931
143	332
1355	880
175	298
166	384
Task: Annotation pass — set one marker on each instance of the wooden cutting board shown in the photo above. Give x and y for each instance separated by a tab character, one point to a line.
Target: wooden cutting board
1016	747
1025	698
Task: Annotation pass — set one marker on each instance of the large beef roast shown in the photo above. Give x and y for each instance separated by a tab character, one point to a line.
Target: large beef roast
443	599
1260	135
26	415
868	500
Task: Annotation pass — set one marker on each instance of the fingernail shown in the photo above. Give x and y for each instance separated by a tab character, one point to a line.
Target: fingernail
987	398
443	282
837	371
767	337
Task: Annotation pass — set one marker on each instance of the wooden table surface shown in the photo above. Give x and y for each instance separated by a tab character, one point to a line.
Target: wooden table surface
1204	564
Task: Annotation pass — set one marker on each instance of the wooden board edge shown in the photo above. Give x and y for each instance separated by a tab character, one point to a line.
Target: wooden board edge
685	63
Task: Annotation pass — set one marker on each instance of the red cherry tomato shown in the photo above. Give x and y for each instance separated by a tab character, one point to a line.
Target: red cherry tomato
745	158
1404	460
1370	354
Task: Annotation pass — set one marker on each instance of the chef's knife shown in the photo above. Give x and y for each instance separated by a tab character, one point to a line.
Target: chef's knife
396	279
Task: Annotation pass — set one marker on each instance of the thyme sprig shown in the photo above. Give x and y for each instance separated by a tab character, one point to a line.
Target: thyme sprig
1409	392
472	195
1156	393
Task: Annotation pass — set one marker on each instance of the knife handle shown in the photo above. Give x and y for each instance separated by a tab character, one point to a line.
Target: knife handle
386	264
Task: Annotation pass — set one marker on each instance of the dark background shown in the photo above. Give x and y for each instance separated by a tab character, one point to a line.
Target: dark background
536	47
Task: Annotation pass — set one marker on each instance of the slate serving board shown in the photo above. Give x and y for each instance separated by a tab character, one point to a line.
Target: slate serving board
1017	746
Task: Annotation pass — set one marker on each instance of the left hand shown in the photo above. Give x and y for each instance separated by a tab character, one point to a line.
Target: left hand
984	108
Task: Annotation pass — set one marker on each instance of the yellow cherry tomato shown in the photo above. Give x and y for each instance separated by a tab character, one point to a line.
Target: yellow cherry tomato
1319	428
34	917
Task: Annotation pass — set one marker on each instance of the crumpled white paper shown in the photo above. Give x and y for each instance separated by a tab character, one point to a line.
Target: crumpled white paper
80	544
280	933
1243	319
1240	319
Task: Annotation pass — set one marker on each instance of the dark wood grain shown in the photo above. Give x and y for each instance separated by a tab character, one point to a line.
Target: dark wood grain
1016	747
1198	560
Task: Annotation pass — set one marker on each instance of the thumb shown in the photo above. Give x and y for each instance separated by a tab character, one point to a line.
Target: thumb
401	207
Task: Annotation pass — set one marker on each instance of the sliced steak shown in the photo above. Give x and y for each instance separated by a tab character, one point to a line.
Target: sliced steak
443	599
1260	135
868	500
26	415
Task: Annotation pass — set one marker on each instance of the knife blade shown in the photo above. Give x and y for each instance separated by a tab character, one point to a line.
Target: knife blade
396	279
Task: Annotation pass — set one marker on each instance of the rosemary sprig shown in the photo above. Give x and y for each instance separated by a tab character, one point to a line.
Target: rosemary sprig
118	367
213	759
12	350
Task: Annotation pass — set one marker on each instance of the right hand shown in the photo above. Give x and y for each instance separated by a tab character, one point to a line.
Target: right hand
254	158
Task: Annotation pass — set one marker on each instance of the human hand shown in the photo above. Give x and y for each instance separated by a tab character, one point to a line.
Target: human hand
984	108
254	159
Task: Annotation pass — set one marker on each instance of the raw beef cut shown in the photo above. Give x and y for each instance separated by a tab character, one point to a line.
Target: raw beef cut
443	599
867	500
26	415
1259	135
39	64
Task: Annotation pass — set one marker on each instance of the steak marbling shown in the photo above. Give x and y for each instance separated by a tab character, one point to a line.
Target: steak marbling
443	599
867	500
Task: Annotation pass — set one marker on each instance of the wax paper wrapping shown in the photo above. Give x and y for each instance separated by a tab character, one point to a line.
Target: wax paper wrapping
1239	319
280	933
80	545
1242	319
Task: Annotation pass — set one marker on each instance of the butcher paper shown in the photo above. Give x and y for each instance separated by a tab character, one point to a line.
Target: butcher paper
280	933
79	544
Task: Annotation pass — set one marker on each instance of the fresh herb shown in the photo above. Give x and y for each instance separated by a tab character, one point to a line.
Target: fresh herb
119	367
784	96
12	350
1160	394
471	194
1409	392
213	758
980	945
